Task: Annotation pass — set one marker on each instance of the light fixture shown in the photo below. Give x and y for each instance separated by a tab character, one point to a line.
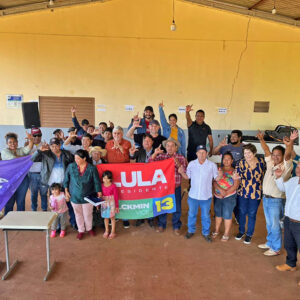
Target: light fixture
51	2
274	9
173	25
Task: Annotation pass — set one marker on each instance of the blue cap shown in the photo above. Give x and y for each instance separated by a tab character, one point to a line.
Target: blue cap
201	147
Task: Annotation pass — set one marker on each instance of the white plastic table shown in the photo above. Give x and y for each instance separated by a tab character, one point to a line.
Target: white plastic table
27	220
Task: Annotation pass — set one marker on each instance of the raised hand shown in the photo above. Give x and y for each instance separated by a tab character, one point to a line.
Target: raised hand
294	135
161	104
29	136
188	108
279	172
72	134
260	135
111	124
158	150
223	142
235	175
44	147
136	117
132	150
136	123
73	109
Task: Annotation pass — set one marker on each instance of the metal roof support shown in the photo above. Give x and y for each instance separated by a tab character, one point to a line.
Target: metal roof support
245	11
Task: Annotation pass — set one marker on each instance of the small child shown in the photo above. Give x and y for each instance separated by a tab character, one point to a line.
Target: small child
111	205
58	204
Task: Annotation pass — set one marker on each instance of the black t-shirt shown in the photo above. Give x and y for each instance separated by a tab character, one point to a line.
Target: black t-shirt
100	143
138	139
197	136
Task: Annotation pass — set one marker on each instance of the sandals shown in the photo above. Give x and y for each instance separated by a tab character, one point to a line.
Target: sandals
112	236
105	235
215	234
225	238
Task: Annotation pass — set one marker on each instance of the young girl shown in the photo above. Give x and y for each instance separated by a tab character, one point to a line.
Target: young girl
58	204
111	207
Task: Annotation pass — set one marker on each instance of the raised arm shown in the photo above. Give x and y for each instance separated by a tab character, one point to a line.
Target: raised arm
188	109
74	119
260	136
216	150
289	142
163	120
130	132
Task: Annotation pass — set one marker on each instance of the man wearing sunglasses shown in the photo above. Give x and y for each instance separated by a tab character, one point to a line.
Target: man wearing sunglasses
35	184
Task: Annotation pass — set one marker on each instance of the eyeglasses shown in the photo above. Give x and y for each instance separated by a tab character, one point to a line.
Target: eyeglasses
37	135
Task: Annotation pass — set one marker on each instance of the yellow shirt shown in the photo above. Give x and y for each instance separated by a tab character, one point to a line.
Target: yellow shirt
174	133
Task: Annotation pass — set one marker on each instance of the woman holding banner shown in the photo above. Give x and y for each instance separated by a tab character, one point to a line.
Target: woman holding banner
13	151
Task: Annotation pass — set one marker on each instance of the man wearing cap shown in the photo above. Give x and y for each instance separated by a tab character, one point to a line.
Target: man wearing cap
96	153
34	174
154	127
145	121
54	163
201	172
198	131
172	147
84	123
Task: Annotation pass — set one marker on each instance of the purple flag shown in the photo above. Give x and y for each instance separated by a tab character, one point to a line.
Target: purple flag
12	173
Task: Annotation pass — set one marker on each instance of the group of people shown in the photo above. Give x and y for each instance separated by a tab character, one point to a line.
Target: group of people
65	168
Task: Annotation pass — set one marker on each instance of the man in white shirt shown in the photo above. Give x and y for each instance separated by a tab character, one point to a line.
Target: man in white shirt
202	172
292	218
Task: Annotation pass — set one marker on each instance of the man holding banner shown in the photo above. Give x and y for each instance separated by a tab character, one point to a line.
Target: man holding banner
172	147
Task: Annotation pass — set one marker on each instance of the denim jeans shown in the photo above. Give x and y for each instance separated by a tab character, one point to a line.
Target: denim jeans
194	205
162	219
18	196
291	241
273	210
36	186
247	207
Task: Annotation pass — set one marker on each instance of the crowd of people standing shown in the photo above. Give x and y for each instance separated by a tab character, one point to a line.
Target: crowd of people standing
65	169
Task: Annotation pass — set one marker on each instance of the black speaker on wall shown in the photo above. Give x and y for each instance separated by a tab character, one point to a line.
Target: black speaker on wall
31	114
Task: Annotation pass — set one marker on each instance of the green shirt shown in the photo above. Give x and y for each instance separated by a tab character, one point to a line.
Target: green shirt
81	186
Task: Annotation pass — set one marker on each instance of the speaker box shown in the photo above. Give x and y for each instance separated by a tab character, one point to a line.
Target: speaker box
31	115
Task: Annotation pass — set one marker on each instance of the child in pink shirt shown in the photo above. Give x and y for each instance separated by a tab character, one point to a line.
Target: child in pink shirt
111	205
58	204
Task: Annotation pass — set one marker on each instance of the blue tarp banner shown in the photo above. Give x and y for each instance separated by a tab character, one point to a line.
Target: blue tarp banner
12	173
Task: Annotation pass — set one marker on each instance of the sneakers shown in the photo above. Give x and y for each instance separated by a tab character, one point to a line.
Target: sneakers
79	235
53	234
126	224
263	246
188	235
207	238
62	233
271	252
239	236
285	267
247	240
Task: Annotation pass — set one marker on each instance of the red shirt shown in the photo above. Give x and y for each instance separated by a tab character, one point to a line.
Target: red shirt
115	155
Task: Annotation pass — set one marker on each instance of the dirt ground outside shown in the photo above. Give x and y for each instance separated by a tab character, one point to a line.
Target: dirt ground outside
143	264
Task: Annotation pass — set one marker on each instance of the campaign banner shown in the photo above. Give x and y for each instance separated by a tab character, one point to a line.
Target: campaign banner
145	190
12	173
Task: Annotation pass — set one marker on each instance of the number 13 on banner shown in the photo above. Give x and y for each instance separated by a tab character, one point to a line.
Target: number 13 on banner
164	205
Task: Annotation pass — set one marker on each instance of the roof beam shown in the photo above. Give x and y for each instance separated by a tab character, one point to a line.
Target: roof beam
245	11
257	4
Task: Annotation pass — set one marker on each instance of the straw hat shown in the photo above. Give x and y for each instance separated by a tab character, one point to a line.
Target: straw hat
98	149
164	143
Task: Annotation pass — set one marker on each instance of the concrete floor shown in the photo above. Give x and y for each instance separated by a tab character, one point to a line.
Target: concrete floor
143	264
